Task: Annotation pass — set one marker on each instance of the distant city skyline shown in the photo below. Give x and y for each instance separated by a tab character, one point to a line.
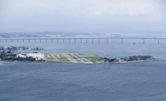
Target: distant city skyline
91	16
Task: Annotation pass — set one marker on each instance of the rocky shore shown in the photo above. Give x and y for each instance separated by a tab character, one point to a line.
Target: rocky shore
129	59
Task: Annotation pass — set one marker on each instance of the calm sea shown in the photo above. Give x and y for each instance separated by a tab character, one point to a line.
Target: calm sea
99	82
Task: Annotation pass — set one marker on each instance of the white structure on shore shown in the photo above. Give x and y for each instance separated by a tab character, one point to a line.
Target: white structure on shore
35	55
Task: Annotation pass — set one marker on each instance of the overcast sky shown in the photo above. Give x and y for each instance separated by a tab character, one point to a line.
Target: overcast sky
83	15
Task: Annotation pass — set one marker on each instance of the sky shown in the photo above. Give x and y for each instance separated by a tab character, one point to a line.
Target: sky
83	15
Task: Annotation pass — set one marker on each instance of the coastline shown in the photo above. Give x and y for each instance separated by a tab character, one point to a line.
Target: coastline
76	58
27	54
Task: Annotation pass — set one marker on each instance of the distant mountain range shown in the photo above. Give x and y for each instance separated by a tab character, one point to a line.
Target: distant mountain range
79	35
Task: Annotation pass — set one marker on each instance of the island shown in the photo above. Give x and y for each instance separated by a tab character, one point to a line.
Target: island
24	54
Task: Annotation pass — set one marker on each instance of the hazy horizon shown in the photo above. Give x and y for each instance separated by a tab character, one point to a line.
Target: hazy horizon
83	16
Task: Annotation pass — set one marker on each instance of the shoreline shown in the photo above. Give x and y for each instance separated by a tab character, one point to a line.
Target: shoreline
101	61
26	54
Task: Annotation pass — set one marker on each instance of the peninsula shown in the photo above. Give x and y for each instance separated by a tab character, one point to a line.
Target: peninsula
36	54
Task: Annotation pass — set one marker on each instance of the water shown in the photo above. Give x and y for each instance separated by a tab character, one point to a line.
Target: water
113	48
99	82
73	82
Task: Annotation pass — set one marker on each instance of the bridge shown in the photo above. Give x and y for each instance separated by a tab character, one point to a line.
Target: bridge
81	40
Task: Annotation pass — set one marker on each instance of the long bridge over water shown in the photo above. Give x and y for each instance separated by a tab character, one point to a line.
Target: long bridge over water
108	40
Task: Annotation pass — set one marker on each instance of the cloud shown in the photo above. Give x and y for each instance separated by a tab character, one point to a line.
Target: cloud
81	14
162	4
83	7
